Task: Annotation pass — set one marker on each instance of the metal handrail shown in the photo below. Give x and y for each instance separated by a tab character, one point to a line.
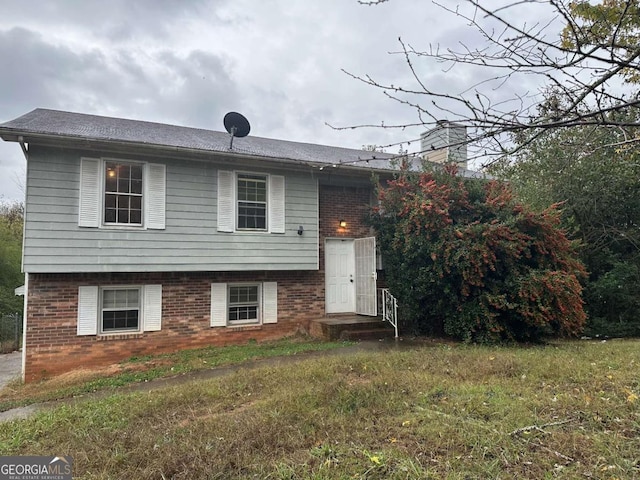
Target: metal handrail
390	309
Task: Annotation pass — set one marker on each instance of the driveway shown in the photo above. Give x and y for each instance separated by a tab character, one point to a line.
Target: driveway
10	367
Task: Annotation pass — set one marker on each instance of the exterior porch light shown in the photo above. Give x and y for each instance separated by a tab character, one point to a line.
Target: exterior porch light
343	224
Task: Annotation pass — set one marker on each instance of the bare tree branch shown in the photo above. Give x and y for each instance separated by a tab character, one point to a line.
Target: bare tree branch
585	73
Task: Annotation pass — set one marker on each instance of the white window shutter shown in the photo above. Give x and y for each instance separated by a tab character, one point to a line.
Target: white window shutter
87	310
152	308
156	191
218	305
89	214
270	302
226	201
276	203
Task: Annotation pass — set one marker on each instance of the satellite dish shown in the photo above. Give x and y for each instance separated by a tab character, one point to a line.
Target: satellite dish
237	125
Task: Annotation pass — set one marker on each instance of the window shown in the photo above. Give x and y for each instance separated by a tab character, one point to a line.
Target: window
123	193
238	304
244	304
252	202
115	193
120	310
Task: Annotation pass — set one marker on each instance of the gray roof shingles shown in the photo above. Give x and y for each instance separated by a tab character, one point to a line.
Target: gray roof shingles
60	125
78	126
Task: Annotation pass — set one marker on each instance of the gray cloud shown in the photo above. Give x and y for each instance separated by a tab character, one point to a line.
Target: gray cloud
199	92
279	62
114	20
36	70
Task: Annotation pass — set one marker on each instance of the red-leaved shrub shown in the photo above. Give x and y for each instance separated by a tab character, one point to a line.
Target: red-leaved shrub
465	259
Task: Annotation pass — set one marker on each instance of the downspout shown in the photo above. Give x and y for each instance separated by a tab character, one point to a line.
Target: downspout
24	327
25	151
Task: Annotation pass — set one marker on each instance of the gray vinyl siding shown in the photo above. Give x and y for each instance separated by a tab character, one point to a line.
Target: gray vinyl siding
190	241
444	144
458	150
434	140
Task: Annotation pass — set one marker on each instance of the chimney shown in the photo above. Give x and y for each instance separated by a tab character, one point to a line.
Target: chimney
446	143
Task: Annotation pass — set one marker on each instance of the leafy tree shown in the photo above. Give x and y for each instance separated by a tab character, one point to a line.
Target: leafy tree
465	259
612	25
595	173
11	218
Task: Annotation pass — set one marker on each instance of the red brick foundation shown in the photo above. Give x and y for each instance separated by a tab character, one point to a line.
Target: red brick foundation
53	346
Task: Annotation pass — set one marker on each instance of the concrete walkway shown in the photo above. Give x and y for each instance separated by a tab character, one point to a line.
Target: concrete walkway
366	346
10	367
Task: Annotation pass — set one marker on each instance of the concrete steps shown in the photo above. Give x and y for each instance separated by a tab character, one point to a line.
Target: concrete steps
351	327
370	334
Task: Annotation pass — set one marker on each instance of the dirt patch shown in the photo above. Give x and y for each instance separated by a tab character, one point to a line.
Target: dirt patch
76	377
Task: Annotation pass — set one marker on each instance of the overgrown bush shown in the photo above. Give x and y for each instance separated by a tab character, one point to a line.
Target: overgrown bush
595	173
11	214
465	259
614	302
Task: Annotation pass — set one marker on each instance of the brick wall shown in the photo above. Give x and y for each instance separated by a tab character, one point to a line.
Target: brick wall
351	204
53	346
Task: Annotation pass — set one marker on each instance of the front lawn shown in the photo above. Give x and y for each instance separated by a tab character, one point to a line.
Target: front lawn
144	369
569	410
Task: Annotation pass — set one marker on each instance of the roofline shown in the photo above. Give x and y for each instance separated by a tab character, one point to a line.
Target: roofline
19	136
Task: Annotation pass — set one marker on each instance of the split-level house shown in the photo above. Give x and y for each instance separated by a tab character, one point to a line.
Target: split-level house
144	238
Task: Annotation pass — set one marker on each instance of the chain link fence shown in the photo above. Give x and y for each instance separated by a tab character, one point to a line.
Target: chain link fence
10	332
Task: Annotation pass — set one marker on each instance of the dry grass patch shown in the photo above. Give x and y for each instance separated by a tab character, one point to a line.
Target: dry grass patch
564	411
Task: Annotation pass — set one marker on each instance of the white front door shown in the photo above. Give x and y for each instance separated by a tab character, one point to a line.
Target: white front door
350	276
340	276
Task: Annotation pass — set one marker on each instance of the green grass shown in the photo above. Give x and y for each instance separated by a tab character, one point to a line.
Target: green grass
144	369
569	410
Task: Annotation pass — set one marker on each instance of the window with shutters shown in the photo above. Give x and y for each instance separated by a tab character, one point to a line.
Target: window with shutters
123	193
238	304
252	202
120	310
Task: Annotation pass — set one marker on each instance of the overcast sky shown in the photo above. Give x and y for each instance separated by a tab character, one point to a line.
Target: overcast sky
188	62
